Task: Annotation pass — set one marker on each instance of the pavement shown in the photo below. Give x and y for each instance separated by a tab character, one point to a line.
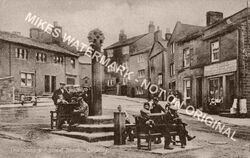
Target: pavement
232	121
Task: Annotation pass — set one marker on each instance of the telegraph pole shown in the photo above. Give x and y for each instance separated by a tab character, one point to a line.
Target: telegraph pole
96	38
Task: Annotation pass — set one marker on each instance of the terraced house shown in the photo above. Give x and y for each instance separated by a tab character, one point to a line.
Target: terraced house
30	66
212	62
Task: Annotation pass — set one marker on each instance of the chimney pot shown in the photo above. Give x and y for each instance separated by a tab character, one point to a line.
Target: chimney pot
151	27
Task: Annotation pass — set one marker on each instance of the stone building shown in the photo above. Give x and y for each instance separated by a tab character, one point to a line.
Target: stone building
36	67
157	58
212	61
133	54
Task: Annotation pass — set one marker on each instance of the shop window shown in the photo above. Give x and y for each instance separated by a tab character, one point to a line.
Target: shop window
215	47
215	88
70	81
26	80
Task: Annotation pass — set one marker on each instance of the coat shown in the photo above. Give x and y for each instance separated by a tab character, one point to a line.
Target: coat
59	92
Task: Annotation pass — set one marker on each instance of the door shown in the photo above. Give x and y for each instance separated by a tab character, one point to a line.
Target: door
230	91
199	92
47	83
53	83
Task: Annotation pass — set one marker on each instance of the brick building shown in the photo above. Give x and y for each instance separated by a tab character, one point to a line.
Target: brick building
36	66
132	53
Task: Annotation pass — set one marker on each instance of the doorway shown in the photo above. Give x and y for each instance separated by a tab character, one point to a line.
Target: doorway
230	91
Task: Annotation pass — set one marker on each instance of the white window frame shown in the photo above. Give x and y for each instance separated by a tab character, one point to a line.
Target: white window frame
187	86
140	58
186	57
21	53
215	49
28	79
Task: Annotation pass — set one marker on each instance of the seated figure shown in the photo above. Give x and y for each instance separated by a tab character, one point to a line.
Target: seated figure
174	123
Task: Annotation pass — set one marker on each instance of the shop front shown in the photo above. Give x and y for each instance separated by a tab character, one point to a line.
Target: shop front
221	84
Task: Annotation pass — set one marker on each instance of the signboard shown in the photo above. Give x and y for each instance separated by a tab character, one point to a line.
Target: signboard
220	68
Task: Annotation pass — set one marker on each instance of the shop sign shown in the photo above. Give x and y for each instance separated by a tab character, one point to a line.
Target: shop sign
220	68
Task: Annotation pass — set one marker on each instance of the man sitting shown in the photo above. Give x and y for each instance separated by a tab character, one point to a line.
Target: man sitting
157	108
174	122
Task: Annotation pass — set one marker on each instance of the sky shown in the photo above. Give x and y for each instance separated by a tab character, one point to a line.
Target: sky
78	17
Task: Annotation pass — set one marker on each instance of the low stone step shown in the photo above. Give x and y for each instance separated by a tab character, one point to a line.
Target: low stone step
92	128
90	137
104	119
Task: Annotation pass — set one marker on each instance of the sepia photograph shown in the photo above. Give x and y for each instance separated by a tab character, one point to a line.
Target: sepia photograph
124	79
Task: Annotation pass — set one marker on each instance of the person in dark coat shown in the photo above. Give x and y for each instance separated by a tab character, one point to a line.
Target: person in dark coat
174	122
61	95
157	108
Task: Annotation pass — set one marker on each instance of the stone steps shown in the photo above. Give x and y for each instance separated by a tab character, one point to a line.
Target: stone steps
90	137
104	119
91	128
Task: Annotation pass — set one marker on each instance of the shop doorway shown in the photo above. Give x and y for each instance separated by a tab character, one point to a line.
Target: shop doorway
199	92
230	91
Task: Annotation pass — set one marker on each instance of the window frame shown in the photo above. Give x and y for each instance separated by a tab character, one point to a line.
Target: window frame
28	82
186	58
212	51
140	74
110	53
125	50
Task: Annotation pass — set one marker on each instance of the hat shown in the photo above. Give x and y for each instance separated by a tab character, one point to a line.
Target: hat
156	99
173	107
62	83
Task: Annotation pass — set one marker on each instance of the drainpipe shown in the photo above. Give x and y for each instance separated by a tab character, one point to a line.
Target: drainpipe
10	59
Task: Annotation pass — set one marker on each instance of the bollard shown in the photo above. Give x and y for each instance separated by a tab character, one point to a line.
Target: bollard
119	128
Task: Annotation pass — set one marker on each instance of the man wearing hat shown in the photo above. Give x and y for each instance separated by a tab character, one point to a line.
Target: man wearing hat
60	95
157	108
175	123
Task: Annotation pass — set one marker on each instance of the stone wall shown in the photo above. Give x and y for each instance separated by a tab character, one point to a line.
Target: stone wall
6	90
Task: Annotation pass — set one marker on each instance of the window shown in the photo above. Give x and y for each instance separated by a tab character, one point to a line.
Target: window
125	50
172	72
26	80
111	82
111	68
21	53
172	48
42	57
70	81
140	58
124	81
186	57
160	79
58	59
215	88
73	62
110	53
187	89
215	49
141	73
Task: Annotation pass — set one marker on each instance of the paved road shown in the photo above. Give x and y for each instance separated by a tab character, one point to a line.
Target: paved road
20	136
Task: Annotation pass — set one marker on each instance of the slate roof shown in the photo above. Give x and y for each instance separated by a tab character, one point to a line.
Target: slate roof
182	30
14	38
126	42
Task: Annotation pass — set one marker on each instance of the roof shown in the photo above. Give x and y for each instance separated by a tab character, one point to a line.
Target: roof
84	60
126	42
10	37
182	30
158	47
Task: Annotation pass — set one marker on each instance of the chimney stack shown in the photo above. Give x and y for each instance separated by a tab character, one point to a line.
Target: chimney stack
158	34
55	30
213	17
151	27
167	34
122	36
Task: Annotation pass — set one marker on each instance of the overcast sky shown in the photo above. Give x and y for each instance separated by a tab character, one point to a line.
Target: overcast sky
78	17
